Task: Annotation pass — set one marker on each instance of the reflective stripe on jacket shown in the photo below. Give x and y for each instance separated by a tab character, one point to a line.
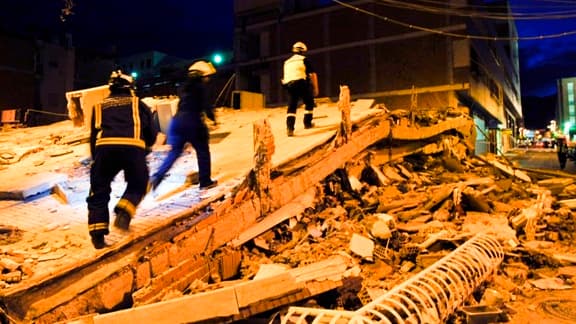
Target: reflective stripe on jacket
117	121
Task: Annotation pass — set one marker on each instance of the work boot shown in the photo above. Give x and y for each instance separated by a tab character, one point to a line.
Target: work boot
208	185
308	120
290	123
98	241
122	220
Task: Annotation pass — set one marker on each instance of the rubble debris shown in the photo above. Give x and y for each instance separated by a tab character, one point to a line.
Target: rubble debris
362	246
481	314
433	294
549	283
509	170
9	234
383	219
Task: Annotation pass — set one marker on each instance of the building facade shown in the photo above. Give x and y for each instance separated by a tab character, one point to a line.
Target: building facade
34	75
566	107
403	57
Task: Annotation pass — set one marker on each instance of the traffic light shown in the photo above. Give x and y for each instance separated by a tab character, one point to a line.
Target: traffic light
217	58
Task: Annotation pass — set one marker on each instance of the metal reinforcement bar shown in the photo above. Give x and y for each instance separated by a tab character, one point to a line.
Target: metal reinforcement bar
429	297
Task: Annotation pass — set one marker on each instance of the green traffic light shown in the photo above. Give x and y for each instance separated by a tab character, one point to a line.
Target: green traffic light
217	58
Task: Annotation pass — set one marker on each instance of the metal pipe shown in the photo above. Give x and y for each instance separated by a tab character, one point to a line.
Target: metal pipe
429	297
450	272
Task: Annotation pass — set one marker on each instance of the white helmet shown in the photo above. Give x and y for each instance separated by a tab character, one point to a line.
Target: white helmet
119	80
299	47
201	68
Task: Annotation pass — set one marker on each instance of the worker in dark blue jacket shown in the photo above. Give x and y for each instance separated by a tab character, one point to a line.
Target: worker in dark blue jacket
188	126
122	132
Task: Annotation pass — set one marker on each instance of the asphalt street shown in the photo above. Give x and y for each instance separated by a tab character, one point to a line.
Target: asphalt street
538	158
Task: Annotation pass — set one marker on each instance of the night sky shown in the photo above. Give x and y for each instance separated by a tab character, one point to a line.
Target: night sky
545	60
192	29
184	28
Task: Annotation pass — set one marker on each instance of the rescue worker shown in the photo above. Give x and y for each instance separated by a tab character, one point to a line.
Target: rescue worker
188	126
122	133
562	150
301	82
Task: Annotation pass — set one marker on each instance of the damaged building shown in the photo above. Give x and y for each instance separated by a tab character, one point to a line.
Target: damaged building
403	55
390	210
381	216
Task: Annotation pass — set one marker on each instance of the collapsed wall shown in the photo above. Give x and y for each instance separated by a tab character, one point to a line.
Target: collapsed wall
173	258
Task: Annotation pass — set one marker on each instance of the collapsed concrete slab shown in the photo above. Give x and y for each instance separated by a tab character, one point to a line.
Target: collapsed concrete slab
178	250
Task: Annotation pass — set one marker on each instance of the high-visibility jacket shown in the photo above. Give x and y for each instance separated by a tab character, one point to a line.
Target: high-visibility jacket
122	120
297	67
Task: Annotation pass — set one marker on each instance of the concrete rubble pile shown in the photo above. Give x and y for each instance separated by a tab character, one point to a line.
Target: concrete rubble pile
398	208
375	224
395	219
392	221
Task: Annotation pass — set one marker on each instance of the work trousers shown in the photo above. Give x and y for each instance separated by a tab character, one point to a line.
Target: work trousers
108	162
299	89
178	136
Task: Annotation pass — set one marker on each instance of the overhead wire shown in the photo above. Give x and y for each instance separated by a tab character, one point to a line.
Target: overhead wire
451	34
442	9
535	5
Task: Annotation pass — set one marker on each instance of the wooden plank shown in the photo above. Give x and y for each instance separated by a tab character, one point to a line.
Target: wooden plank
192	308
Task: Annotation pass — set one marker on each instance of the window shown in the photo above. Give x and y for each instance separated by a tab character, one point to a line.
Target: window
494	89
